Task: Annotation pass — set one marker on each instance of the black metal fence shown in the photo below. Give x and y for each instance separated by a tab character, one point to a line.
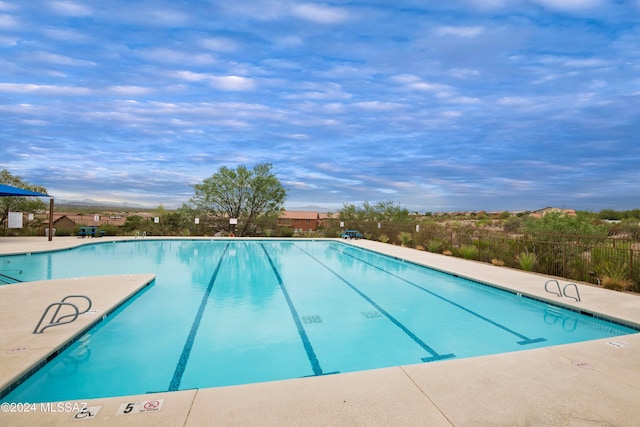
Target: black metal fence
584	258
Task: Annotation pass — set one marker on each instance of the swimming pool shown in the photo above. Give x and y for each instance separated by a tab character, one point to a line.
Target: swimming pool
235	312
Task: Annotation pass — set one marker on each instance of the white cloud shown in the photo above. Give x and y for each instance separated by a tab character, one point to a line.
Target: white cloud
570	5
130	90
65	34
232	83
318	95
54	58
459	31
70	8
6	6
7	22
188	75
378	106
463	73
8	41
321	14
44	89
428	86
218	44
464	100
177	57
405	78
416	83
168	17
585	63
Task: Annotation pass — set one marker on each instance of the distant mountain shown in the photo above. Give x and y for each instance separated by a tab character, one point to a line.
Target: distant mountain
88	203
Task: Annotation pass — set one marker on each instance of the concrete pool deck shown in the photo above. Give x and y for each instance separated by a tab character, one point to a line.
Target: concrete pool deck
590	383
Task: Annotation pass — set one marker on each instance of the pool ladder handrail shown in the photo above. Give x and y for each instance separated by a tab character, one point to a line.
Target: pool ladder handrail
59	321
562	292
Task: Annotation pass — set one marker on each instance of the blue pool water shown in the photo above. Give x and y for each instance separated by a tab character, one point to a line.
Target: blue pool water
235	312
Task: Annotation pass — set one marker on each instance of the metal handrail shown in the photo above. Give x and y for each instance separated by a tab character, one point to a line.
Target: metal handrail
550	291
563	291
79	313
60	321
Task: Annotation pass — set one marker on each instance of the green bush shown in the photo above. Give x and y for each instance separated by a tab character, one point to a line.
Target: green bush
468	251
109	229
331	232
286	232
435	246
527	260
612	267
405	238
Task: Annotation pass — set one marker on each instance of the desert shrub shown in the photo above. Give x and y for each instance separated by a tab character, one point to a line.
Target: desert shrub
331	232
612	268
109	229
468	251
512	224
435	246
527	260
286	232
405	238
383	238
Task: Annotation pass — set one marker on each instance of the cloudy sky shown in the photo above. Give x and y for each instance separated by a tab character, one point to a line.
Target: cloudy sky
435	105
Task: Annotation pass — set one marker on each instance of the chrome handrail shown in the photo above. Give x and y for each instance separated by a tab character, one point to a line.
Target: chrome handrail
59	321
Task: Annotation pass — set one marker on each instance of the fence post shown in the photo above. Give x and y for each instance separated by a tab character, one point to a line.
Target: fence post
632	267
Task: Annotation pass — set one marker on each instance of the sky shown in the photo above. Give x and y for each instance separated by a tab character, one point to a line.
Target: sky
437	106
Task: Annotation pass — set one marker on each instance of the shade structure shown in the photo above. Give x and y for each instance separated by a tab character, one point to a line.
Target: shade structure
8	191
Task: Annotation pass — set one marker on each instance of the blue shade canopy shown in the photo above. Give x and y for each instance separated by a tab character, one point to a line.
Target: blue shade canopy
7	190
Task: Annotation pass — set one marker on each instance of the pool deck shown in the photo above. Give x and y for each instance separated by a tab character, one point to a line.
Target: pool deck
594	383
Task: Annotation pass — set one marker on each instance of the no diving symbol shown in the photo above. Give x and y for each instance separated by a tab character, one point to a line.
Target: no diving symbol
151	405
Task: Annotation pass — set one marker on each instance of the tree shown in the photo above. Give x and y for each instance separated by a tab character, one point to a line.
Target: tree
19	204
239	193
367	216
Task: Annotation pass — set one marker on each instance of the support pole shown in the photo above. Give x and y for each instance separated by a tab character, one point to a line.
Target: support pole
51	219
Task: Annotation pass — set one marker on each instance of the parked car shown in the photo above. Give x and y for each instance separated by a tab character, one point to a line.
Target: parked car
351	234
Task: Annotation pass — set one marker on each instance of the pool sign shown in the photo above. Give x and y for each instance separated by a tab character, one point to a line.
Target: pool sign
140	407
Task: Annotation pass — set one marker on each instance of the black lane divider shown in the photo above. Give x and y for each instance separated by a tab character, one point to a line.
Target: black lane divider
311	355
186	350
525	339
434	354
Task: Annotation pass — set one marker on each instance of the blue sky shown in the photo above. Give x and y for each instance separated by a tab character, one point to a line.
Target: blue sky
437	106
